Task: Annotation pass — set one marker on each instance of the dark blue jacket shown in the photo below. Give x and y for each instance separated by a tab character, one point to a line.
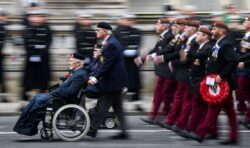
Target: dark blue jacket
70	88
110	72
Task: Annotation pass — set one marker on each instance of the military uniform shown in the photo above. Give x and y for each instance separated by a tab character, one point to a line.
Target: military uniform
37	41
242	93
85	40
130	39
197	59
222	61
181	107
164	88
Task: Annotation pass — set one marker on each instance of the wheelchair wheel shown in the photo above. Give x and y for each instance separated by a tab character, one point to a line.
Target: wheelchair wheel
46	133
109	123
71	122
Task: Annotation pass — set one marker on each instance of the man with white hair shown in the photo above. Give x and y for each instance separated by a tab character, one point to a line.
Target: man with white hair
110	78
67	91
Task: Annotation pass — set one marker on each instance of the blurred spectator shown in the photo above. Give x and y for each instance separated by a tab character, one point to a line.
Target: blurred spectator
130	39
232	17
29	5
216	17
37	40
85	36
3	19
189	12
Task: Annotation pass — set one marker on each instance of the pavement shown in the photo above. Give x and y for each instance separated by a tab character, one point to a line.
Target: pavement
13	107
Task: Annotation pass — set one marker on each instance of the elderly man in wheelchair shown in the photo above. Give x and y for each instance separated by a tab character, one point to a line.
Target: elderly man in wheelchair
65	118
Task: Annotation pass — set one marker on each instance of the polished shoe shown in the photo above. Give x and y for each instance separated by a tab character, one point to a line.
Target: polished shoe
228	142
195	137
246	124
92	132
160	123
212	137
167	126
122	136
147	120
183	133
176	129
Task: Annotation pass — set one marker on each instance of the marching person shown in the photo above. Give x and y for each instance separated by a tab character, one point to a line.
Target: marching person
243	73
37	40
110	78
222	61
130	39
242	93
165	84
68	90
197	59
85	36
181	103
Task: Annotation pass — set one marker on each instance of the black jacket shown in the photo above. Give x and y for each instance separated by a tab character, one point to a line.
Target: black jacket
223	61
159	49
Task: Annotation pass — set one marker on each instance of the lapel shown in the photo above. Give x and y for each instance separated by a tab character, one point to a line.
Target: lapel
72	75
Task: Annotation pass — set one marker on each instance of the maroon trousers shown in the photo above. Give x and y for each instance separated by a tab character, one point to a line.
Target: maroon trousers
243	93
163	93
212	115
186	109
198	113
177	103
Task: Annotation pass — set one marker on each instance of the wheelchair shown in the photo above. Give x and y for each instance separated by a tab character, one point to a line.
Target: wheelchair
69	120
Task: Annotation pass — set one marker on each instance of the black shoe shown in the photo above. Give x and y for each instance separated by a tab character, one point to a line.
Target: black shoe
229	142
176	129
167	126
149	121
139	108
92	132
122	136
184	134
163	124
212	137
246	124
195	137
181	132
160	123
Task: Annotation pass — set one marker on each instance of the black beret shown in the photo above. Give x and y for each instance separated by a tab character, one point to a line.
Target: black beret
104	25
77	56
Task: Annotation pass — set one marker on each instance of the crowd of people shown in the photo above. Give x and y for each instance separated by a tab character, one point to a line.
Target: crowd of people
186	52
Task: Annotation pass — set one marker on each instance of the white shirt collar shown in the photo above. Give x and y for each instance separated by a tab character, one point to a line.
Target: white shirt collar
220	39
78	68
103	42
191	37
163	33
202	44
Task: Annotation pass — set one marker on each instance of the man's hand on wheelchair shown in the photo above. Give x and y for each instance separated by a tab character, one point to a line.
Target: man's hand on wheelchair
92	81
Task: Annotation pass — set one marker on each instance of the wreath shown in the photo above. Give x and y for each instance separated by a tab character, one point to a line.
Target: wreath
214	93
